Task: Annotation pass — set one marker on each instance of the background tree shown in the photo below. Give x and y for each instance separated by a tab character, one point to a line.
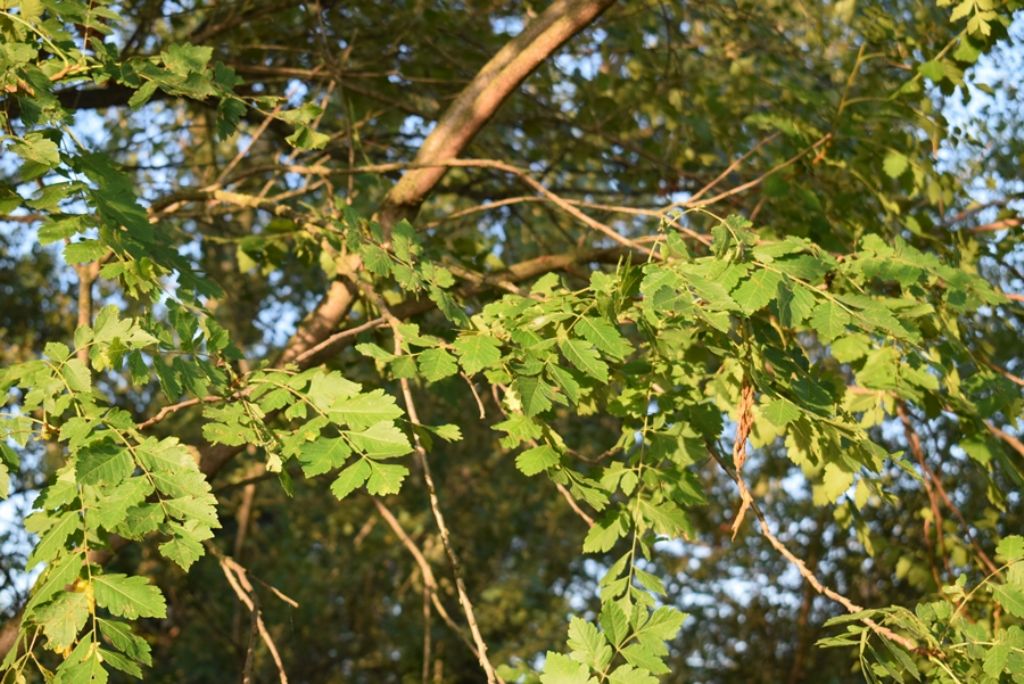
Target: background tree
379	341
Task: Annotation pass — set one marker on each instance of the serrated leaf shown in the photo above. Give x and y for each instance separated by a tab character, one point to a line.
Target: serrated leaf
561	669
795	304
605	336
1010	598
477	352
588	644
996	659
757	291
117	501
1010	549
627	674
121	637
849	348
603	534
829	320
614	622
437	364
323	455
639	655
120	662
583	356
385	478
129	597
365	410
57	576
537	459
54	540
202	510
664	624
64	618
534	395
182	550
448	432
351	478
835	481
103	462
381	440
780	412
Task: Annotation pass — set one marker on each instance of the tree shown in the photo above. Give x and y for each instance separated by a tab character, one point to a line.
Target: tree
384	341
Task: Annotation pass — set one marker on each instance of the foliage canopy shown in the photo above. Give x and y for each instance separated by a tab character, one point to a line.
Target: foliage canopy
578	342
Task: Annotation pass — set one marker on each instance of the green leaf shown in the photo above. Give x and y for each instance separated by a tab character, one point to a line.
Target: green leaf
54	540
55	579
323	455
537	459
795	304
561	669
477	352
182	550
64	618
183	59
117	501
603	534
584	356
306	138
757	291
365	410
448	432
605	336
850	347
835	481
129	597
534	394
1010	598
351	478
614	622
627	674
326	389
663	625
119	662
8	461
780	412
895	164
437	364
641	656
1010	549
103	462
35	147
381	440
588	644
830	320
121	637
995	660
84	251
385	478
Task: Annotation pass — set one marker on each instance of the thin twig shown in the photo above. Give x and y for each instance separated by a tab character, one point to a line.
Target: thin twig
425	571
730	168
435	505
338	336
567	495
807	574
476	396
236	577
914	442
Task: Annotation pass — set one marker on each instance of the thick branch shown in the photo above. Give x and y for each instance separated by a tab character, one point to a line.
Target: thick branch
479	101
466	116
